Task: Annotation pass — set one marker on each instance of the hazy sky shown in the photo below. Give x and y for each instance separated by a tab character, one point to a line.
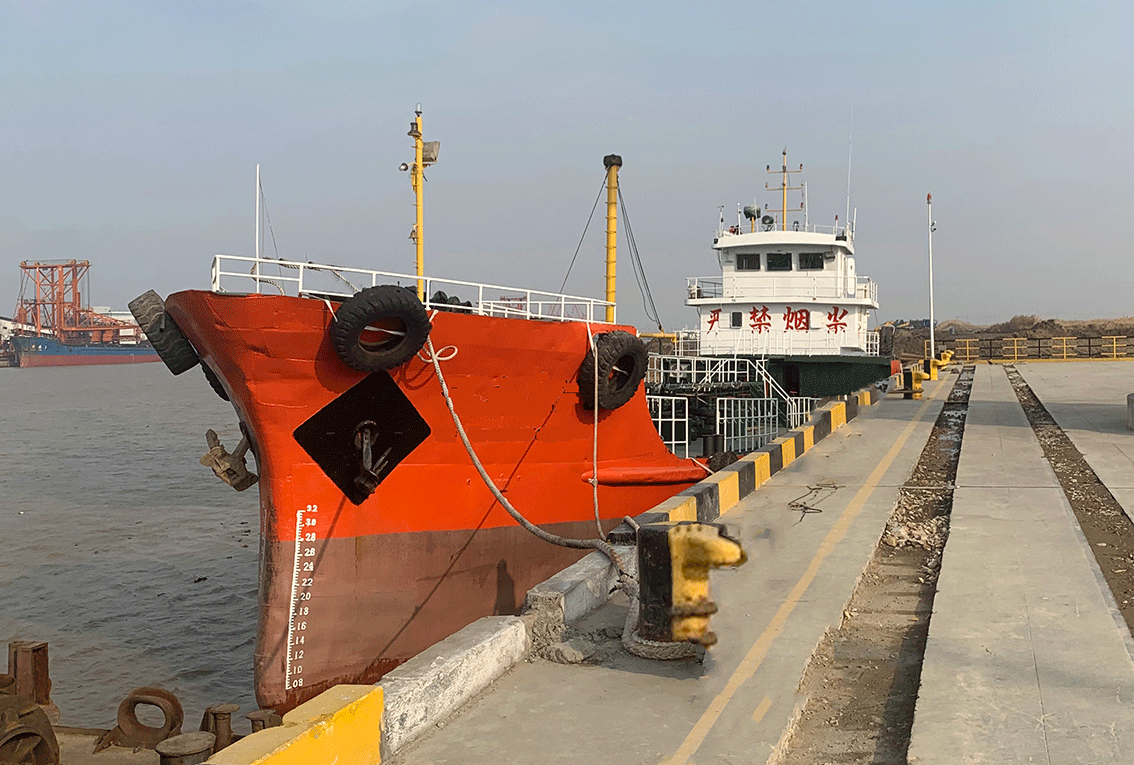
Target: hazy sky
130	132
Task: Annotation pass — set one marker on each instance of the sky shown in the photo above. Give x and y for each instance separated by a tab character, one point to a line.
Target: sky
130	135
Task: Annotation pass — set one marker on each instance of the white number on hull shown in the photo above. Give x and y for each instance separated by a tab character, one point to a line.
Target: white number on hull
306	531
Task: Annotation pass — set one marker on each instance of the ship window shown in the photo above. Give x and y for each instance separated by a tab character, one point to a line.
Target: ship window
810	261
748	261
737	318
779	261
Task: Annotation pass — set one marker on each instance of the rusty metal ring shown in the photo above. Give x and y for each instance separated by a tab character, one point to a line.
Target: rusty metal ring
129	724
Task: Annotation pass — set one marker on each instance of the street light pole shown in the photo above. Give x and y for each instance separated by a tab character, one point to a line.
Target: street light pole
932	228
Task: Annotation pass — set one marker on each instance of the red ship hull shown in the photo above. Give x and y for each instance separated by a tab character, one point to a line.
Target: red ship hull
348	591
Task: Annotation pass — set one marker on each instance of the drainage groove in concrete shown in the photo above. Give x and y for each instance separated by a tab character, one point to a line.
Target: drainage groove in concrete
1106	527
861	684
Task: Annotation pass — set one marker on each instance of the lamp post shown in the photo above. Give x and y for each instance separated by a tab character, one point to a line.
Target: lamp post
932	228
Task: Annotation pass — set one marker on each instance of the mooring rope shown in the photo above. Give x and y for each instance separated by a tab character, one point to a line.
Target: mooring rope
648	649
579	544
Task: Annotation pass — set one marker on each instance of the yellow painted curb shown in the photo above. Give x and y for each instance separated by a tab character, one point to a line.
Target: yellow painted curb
728	488
787	449
808	436
679	508
763	466
838	415
342	724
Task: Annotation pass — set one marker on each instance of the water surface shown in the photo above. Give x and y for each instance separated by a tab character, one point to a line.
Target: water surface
119	548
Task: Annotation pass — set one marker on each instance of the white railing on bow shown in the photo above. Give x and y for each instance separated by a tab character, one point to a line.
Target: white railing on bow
233	273
872	344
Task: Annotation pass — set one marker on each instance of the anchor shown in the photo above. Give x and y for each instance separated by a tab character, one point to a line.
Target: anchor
370	469
230	468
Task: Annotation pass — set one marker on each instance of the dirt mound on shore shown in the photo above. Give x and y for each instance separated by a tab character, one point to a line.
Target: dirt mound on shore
910	341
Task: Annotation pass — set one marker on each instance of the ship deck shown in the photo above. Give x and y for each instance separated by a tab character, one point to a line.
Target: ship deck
1009	645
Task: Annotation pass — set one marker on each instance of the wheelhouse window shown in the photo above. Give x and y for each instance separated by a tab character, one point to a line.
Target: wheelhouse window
779	261
810	261
737	318
748	261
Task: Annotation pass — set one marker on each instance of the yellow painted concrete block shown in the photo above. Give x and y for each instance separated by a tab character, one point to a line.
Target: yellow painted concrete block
838	415
808	437
787	449
728	488
342	724
686	511
763	465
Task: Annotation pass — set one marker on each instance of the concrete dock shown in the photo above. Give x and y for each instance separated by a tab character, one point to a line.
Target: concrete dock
1027	658
736	705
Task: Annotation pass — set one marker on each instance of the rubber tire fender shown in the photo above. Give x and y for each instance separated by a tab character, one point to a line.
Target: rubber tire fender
622	361
387	304
214	381
172	347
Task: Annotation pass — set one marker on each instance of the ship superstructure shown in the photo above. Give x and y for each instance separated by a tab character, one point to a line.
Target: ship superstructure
790	294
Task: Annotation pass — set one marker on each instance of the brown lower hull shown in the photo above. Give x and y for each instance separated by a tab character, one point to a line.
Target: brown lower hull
430	585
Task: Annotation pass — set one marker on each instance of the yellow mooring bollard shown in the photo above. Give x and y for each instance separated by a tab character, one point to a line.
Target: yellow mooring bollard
673	575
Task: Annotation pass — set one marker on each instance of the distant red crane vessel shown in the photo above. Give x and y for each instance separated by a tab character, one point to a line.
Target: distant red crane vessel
55	325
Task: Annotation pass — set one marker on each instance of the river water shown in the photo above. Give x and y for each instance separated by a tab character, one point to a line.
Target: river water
129	557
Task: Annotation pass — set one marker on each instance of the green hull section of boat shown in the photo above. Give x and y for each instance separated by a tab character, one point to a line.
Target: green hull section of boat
829	376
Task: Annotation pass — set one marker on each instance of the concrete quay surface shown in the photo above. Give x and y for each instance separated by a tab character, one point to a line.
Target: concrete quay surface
737	704
1085	399
1028	660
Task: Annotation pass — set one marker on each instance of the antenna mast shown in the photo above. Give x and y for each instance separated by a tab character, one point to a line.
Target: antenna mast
424	155
850	149
785	188
259	219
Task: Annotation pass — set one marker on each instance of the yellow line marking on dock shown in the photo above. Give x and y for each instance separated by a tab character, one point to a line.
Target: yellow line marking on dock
756	654
762	710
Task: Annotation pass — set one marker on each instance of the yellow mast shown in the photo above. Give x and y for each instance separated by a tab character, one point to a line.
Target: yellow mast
611	162
785	188
424	155
418	172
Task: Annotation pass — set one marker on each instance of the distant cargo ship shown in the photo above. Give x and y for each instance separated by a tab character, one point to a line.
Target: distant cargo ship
46	351
54	325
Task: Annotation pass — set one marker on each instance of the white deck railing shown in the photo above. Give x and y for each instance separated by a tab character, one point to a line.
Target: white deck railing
234	273
872	344
747	423
702	372
671	418
811	228
782	288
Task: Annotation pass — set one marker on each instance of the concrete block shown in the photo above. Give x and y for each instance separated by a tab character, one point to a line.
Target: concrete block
573	593
341	724
435	683
1130	411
